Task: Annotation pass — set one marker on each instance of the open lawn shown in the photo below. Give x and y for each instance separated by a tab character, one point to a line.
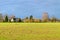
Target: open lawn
29	31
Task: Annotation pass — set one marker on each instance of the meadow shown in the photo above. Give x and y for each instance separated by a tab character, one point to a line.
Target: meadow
29	31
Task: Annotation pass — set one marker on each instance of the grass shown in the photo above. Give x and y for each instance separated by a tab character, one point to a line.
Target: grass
29	31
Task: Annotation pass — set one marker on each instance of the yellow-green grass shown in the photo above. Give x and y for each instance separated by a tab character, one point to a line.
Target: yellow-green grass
29	31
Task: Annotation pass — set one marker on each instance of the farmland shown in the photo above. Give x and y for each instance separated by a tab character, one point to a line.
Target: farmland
29	31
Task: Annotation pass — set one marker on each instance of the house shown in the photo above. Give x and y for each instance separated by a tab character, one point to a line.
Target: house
12	18
16	20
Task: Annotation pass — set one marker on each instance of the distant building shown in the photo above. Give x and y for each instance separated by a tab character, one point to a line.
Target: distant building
12	18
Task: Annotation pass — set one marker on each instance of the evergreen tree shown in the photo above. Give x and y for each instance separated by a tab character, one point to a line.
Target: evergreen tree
31	17
6	19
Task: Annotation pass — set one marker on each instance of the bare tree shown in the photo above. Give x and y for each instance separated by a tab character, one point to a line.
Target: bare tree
45	17
1	17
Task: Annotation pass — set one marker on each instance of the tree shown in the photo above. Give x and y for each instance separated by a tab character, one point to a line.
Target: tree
20	20
14	19
45	17
6	18
53	19
1	18
31	17
37	20
27	18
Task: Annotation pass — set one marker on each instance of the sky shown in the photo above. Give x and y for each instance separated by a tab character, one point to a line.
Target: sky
24	8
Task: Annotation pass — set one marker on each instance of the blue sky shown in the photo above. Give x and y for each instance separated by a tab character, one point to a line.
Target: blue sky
23	8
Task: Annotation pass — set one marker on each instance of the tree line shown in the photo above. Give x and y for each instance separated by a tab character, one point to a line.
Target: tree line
30	19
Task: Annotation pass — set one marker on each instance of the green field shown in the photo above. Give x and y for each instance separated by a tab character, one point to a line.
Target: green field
29	31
